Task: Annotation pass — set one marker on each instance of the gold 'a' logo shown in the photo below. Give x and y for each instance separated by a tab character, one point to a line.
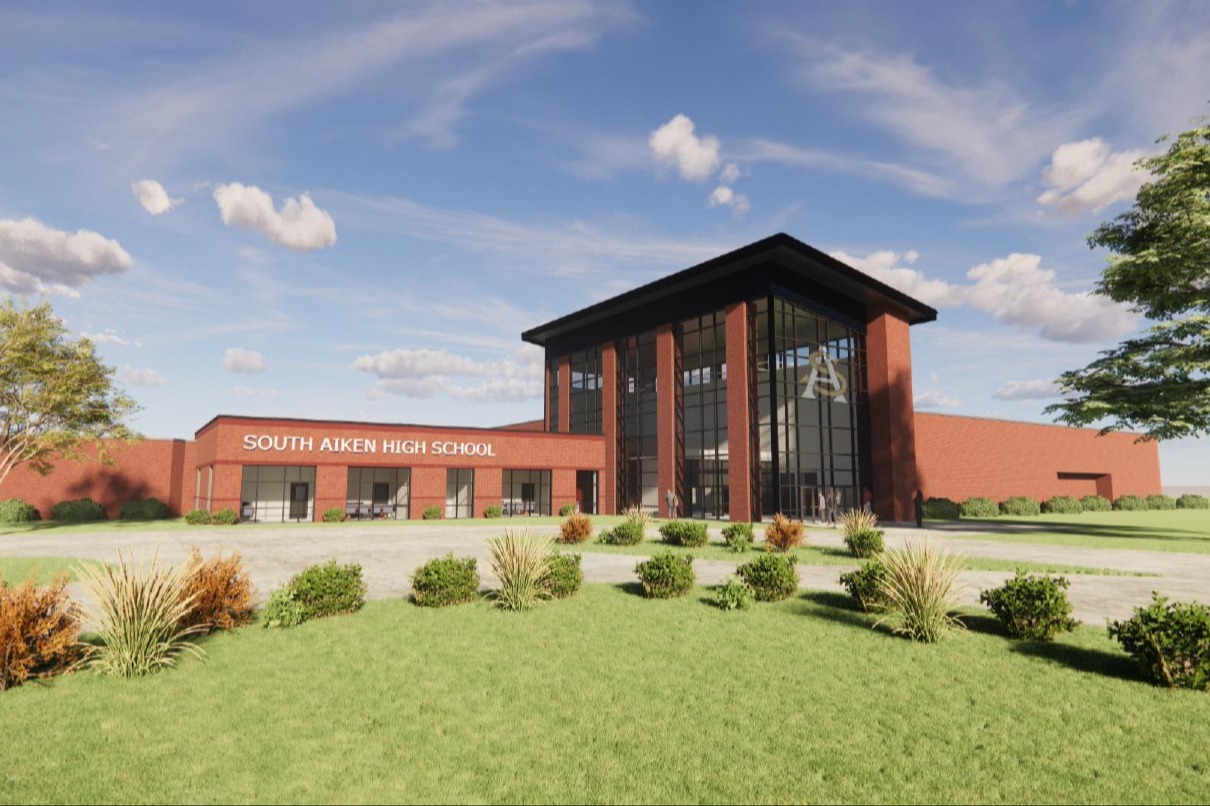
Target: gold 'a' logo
824	378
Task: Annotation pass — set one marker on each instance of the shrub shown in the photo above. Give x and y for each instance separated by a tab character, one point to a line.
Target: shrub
1161	502
1170	642
865	544
637	514
329	589
734	594
1033	607
1186	501
784	534
921	588
627	533
1095	503
666	575
39	631
685	533
941	509
1020	506
979	507
78	511
138	610
492	511
447	580
1130	503
220	592
1062	505
225	517
567	509
433	513
144	509
334	515
771	576
865	586
738	537
283	609
563	576
15	510
520	561
576	529
197	517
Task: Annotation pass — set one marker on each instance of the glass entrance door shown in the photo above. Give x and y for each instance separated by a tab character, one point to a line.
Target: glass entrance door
300	493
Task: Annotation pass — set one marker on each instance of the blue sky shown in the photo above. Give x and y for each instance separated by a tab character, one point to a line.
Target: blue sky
353	211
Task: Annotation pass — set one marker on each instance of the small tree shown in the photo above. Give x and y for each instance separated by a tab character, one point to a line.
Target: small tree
55	394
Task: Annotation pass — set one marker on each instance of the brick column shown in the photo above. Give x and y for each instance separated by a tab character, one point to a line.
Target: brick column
739	449
489	488
665	405
564	395
428	490
892	417
607	485
331	489
228	483
562	489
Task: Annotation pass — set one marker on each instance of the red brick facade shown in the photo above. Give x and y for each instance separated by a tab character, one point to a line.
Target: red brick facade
892	429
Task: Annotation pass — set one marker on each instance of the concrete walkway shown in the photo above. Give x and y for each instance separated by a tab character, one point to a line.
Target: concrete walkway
389	554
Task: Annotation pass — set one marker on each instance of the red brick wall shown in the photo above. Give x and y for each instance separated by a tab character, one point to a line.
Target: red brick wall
893	441
959	457
528	425
739	479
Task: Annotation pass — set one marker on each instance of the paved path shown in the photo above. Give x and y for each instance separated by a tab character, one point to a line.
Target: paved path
389	554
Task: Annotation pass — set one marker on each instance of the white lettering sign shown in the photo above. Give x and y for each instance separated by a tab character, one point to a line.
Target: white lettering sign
825	378
362	445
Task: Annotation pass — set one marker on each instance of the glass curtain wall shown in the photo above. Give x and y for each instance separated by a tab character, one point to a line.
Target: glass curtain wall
638	471
585	391
277	493
526	492
460	492
703	350
811	402
378	492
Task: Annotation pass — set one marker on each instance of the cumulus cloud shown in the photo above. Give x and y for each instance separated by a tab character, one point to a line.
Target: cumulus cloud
1027	390
729	173
36	259
676	144
244	362
299	225
723	196
139	376
152	196
425	373
1088	176
936	400
889	267
109	336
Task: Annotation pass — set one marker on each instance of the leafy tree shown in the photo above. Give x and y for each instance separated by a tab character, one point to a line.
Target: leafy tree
1159	382
55	394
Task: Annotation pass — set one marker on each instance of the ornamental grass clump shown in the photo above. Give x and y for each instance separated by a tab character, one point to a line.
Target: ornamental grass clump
738	537
39	631
860	533
138	610
1032	607
921	588
637	515
685	533
220	591
1170	642
666	575
784	534
520	561
576	529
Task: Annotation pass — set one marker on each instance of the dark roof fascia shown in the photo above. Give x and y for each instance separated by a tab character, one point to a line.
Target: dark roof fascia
247	418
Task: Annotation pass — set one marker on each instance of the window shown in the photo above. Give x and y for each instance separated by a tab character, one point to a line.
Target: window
276	493
702	344
526	492
460	492
638	470
585	396
378	492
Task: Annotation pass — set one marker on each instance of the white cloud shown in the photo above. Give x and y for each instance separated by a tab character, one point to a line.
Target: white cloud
139	376
676	144
1088	176
246	391
109	336
1027	390
244	362
936	400
152	196
887	267
425	373
299	225
36	259
723	196
729	173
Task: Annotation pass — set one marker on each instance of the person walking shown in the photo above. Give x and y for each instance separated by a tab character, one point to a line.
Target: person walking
919	502
821	506
867	501
670	500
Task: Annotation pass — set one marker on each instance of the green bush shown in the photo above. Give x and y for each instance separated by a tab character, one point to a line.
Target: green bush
739	537
78	511
1170	642
1130	503
433	513
14	510
566	510
1186	501
563	575
334	515
979	507
684	533
329	589
1032	607
734	594
1161	502
447	580
225	517
866	543
1062	505
771	576
941	509
283	609
1020	506
1095	503
493	512
145	509
666	575
197	517
865	586
627	533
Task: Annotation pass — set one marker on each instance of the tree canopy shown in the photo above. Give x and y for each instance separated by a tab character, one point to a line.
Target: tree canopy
1159	382
55	393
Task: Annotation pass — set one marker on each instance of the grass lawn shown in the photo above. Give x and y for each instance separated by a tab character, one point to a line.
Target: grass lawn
610	697
15	570
1181	530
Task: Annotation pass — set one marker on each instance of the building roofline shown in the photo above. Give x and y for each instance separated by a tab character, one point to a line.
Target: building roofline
1138	436
246	418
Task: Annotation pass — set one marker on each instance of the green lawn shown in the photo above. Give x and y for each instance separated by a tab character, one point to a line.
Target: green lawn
1181	530
610	697
16	570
